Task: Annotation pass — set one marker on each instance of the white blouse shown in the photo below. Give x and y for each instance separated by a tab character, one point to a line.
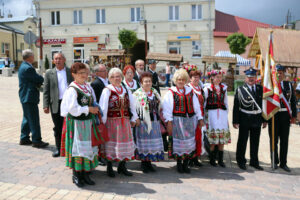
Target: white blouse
134	87
69	102
104	101
208	87
168	104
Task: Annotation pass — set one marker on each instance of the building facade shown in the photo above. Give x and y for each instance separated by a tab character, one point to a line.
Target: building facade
173	26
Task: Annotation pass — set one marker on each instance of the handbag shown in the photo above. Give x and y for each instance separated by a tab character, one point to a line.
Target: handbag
99	133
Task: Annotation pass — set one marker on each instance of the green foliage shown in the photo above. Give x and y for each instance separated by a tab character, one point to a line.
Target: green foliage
46	63
127	38
237	43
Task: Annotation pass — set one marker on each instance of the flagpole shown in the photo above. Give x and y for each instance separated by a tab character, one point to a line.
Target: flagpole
273	145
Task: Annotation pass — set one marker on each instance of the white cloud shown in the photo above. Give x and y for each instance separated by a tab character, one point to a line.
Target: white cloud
16	7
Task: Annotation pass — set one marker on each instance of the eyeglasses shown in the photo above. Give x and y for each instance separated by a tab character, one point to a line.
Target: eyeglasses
82	73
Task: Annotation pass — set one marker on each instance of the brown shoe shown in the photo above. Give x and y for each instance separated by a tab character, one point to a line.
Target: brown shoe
40	144
25	142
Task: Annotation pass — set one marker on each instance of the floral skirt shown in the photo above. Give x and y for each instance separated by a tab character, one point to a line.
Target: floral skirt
120	145
149	145
78	163
182	143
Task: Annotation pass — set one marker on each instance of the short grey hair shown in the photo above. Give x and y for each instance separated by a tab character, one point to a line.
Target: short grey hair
139	60
60	53
97	67
27	53
113	71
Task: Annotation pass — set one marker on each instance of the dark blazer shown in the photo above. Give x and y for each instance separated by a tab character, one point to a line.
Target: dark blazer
137	79
51	91
242	118
155	82
29	84
98	87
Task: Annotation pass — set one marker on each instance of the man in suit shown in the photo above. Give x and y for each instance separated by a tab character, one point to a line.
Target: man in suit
155	81
139	69
283	119
56	82
100	81
98	85
29	84
247	117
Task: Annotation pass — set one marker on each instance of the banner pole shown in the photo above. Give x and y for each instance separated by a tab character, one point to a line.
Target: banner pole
273	145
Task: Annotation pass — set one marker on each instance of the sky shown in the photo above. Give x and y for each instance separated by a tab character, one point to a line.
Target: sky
266	11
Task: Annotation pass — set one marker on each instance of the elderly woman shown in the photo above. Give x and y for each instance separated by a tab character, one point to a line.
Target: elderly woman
117	103
80	121
196	85
216	104
132	84
148	135
182	113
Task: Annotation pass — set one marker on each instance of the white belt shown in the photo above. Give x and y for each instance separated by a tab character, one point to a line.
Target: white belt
253	112
283	109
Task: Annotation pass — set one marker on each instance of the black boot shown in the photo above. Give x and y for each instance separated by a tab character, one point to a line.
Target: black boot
86	178
144	167
179	166
196	162
150	167
57	152
109	170
77	179
122	169
220	159
165	142
212	158
186	168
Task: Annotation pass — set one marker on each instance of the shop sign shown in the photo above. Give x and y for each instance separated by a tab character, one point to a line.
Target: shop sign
85	39
54	41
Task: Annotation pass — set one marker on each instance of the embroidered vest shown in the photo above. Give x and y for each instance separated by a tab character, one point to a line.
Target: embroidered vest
183	104
118	107
83	100
215	101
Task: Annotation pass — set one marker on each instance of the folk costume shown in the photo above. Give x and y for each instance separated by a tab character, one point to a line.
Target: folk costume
80	155
148	135
117	104
132	86
183	109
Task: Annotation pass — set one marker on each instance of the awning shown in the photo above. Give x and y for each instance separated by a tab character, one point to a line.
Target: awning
165	57
240	60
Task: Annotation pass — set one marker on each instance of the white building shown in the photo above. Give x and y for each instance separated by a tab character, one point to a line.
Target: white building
176	26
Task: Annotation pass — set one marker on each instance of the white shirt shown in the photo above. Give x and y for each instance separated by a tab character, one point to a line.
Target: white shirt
298	86
62	82
251	87
105	81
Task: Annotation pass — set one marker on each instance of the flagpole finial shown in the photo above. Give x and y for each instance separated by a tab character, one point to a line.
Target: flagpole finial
271	31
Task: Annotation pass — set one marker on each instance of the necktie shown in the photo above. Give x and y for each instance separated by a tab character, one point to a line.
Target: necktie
253	90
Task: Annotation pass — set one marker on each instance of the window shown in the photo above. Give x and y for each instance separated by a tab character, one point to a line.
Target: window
5	48
173	13
196	49
237	70
77	18
78	51
100	16
174	47
55	18
135	14
196	12
22	46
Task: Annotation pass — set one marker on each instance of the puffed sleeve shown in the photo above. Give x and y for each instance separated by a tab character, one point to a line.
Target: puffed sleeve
226	102
197	108
168	106
205	91
103	102
70	105
132	107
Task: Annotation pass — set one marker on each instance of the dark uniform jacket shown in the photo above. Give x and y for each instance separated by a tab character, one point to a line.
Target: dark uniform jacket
155	81
98	87
136	77
289	94
245	110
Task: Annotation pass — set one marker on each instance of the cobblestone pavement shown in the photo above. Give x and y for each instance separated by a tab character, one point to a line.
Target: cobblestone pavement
30	173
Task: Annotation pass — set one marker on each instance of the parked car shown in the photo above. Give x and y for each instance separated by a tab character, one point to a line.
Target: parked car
2	65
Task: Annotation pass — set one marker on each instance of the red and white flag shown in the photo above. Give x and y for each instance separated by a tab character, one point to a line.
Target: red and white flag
271	86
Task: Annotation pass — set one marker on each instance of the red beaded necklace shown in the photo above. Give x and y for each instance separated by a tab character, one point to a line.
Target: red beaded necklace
84	89
198	90
117	90
181	92
131	86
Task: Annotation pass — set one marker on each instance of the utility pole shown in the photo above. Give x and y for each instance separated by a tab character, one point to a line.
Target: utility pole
41	46
146	42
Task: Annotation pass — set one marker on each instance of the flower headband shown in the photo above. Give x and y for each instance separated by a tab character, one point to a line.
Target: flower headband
189	68
215	72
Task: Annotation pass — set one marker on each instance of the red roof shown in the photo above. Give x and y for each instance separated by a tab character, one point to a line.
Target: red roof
226	24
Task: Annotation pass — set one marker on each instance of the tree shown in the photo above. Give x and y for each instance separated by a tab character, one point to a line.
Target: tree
237	43
127	38
46	63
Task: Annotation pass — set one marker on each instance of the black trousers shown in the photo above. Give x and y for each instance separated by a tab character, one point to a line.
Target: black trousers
244	132
282	131
58	124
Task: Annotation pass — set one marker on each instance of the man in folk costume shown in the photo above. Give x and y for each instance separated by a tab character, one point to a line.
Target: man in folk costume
283	119
247	117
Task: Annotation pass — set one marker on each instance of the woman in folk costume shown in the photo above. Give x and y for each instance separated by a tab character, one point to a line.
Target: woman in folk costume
182	113
196	86
80	125
128	73
216	105
117	104
148	135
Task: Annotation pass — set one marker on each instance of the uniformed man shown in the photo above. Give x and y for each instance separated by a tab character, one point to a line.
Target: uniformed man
286	115
155	80
247	117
